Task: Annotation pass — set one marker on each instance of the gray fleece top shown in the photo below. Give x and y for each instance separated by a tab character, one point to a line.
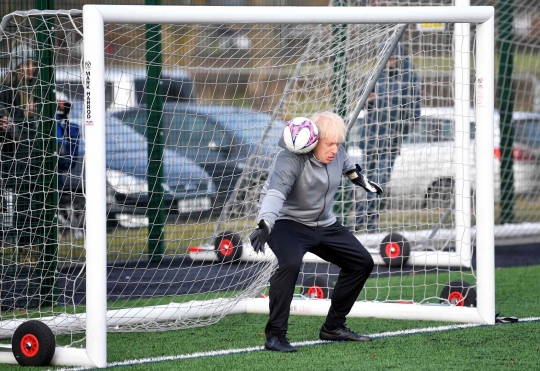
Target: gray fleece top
301	188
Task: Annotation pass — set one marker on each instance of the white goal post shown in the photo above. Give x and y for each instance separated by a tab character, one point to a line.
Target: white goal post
96	16
98	319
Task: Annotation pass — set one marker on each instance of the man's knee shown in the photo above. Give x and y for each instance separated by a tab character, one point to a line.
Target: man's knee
286	274
290	264
369	264
365	261
361	265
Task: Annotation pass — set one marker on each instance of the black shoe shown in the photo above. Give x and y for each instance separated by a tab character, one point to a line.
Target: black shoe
342	333
279	344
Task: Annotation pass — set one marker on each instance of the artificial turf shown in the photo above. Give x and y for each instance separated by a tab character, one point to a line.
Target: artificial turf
513	346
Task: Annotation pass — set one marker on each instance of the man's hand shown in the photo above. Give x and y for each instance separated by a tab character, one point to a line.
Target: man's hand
360	180
5	123
260	236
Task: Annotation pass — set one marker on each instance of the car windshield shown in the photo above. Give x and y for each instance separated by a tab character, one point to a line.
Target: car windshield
426	129
429	130
527	132
433	130
178	89
73	91
250	127
199	127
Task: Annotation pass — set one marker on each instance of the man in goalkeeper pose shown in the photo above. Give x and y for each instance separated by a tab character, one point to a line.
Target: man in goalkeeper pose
296	217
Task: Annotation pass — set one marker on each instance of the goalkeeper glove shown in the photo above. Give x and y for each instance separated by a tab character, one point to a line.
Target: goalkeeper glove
260	236
360	180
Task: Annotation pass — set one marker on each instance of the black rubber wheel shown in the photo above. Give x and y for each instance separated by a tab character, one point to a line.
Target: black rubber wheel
317	287
395	250
33	344
228	247
459	293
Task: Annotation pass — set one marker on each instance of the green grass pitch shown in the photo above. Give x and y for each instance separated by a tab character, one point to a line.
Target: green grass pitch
501	347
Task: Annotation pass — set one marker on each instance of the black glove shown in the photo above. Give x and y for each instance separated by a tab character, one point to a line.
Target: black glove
360	180
260	236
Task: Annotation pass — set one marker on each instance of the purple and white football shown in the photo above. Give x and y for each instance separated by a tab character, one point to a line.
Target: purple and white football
300	135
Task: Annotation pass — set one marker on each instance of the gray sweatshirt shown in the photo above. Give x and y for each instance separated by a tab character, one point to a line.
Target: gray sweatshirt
301	188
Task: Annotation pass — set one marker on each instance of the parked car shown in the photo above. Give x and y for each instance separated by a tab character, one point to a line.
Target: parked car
526	153
187	187
423	169
220	139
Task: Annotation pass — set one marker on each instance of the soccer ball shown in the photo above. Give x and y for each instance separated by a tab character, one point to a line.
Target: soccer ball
300	135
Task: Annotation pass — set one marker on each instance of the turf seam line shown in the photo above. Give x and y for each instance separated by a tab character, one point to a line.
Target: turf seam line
216	353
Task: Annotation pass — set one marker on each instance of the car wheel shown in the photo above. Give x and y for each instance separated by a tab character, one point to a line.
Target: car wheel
440	194
228	247
317	287
33	344
459	293
395	250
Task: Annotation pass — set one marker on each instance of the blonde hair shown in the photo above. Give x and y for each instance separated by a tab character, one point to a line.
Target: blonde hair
330	126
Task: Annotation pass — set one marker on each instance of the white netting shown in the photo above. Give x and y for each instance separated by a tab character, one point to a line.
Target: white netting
189	149
517	183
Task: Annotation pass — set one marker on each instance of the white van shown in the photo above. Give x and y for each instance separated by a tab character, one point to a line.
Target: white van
126	89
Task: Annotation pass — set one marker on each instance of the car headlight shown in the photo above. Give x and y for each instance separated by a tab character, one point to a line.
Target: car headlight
166	188
126	184
211	186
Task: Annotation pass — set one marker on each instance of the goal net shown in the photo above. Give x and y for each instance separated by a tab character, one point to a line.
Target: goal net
134	155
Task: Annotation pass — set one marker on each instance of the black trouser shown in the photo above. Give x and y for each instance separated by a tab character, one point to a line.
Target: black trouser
289	241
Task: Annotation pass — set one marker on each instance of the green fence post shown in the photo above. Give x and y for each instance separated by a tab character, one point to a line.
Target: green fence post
505	97
339	88
339	94
156	215
45	203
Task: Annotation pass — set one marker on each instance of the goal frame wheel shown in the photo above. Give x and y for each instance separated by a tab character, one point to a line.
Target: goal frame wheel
395	250
459	293
317	287
33	344
228	247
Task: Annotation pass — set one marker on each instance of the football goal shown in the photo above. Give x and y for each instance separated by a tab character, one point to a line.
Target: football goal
136	140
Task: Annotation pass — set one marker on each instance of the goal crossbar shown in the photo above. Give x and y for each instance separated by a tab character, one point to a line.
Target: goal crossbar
294	15
94	18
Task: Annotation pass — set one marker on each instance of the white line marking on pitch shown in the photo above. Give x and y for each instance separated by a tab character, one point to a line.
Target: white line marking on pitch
298	344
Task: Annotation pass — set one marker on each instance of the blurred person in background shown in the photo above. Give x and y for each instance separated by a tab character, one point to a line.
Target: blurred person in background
391	107
17	107
17	97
